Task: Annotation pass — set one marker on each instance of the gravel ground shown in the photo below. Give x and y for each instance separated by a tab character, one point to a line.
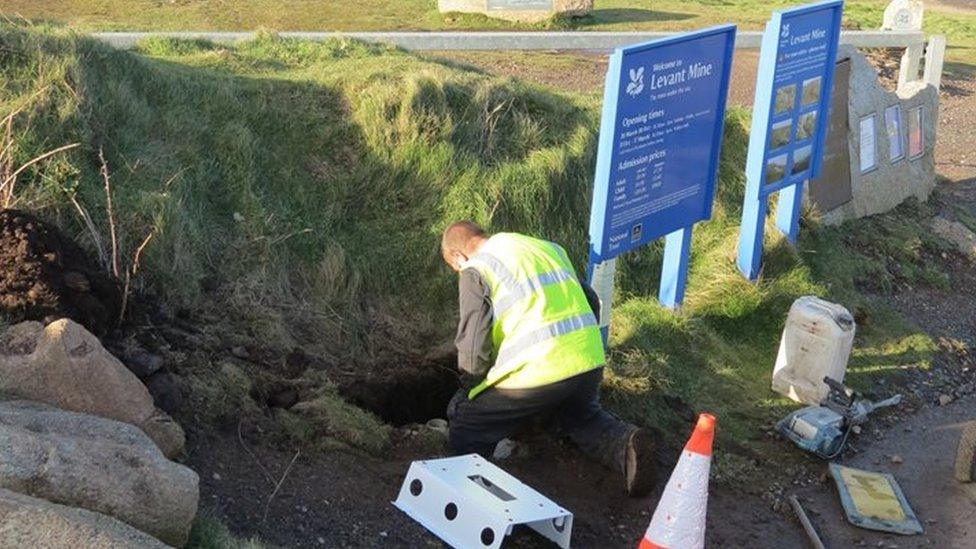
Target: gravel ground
919	452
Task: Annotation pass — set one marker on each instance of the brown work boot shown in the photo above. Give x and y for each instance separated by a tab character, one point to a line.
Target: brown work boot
639	469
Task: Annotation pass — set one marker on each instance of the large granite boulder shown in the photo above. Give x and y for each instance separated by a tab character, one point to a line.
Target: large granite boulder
66	366
93	463
32	522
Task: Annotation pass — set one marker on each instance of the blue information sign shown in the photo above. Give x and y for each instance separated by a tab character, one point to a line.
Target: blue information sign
789	120
660	137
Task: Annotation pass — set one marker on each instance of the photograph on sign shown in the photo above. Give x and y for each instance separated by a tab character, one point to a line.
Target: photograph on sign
868	144
785	99
781	134
775	169
811	91
893	127
807	126
915	143
801	159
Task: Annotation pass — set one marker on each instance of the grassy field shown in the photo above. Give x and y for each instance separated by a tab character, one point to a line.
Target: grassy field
298	190
149	15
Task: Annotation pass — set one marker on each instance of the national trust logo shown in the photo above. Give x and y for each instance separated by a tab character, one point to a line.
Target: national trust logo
636	85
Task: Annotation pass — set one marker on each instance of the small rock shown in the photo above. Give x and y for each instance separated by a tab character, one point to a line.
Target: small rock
321	540
438	425
216	476
856	429
165	390
76	281
897	460
505	449
944	400
241	352
142	363
383	534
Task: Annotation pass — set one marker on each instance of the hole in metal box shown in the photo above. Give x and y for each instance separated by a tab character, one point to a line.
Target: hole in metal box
491	488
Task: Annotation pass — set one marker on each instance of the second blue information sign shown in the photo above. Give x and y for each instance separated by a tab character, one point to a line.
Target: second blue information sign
789	120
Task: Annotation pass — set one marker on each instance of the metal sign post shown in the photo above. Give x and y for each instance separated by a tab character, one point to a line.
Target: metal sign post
660	139
789	121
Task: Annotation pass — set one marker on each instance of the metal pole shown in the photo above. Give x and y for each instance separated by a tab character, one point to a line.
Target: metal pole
807	525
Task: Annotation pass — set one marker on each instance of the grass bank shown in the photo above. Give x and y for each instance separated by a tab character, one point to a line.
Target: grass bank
298	190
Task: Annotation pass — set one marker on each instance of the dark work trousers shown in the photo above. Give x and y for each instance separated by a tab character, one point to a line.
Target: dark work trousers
573	406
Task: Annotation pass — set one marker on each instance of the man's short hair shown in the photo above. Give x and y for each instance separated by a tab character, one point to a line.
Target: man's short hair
458	234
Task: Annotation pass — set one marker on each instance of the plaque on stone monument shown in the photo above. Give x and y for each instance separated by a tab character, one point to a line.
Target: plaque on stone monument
892	117
519	5
525	11
915	144
832	187
868	141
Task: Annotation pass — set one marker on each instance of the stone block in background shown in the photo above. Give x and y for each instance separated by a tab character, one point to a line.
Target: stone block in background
896	175
522	11
958	234
903	15
93	463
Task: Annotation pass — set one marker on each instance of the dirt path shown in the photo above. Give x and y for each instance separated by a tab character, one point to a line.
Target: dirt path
927	444
343	500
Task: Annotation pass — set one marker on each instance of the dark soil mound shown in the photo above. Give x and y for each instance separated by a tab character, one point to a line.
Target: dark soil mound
45	274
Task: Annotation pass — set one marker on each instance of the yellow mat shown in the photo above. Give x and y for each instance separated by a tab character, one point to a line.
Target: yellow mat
874	501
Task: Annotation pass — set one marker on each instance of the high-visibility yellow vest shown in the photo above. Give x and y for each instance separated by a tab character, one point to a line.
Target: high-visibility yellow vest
543	329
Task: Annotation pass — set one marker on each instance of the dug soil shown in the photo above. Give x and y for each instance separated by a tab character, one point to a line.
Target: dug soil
44	274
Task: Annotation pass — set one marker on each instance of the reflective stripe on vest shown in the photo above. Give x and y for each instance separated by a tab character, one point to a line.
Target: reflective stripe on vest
529	287
552	331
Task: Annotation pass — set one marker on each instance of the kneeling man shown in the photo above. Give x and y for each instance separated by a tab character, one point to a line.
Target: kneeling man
529	345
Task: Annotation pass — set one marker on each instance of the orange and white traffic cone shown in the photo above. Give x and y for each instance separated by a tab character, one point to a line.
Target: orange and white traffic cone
679	520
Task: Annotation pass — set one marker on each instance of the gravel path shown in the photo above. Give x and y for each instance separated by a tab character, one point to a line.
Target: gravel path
920	453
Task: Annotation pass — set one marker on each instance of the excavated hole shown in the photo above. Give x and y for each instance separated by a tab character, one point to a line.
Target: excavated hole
403	394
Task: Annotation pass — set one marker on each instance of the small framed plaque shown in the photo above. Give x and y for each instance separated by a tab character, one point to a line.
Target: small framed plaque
868	144
916	145
896	147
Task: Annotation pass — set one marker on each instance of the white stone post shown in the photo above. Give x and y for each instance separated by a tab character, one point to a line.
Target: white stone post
911	60
934	59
